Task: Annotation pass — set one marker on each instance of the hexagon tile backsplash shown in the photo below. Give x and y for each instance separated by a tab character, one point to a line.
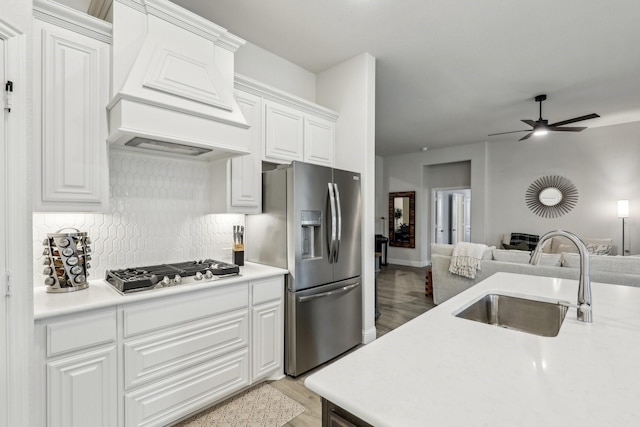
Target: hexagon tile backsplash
158	214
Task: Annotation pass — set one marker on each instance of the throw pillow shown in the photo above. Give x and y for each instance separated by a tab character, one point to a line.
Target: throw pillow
570	260
596	249
522	246
553	260
530	239
567	248
518	257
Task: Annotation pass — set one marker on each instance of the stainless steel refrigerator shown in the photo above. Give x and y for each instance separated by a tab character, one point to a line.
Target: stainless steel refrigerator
310	225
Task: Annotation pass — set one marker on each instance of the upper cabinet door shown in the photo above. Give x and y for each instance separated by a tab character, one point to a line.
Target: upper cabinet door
71	94
246	171
319	138
284	133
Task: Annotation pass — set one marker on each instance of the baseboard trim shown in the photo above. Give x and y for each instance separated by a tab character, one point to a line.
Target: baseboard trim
369	335
407	263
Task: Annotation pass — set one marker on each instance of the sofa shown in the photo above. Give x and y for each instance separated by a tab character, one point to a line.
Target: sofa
617	270
559	244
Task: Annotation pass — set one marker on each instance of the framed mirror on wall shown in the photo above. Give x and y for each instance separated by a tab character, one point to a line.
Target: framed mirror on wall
551	196
402	219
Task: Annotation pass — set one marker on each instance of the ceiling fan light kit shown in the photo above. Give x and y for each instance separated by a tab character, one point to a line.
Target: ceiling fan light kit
542	127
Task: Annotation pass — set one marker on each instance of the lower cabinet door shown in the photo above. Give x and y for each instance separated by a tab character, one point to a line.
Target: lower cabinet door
167	400
82	390
335	416
267	339
336	420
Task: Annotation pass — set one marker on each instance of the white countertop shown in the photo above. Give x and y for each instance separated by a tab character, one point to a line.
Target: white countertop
100	294
440	370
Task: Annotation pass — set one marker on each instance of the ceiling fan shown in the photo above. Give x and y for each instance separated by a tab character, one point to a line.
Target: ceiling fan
541	126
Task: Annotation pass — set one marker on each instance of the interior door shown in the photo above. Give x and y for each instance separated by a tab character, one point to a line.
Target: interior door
457	218
439	218
467	216
348	260
309	221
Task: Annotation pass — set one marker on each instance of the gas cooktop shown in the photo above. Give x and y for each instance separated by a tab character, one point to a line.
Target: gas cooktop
165	275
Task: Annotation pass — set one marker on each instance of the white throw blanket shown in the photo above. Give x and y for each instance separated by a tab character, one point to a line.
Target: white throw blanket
466	257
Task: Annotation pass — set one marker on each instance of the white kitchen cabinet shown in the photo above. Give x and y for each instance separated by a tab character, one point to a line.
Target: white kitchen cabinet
165	401
319	140
293	128
152	362
284	132
190	351
237	183
79	378
81	389
71	92
291	134
268	327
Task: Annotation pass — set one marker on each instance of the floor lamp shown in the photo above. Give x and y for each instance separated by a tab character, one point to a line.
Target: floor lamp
623	212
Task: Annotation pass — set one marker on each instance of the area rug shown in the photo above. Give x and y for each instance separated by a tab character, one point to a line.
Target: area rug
261	406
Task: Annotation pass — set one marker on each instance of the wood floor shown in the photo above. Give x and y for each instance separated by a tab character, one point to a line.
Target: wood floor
400	298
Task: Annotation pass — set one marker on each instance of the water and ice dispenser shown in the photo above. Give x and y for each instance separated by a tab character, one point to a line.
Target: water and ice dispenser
311	223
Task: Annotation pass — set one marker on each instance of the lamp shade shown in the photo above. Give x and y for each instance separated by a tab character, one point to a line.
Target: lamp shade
623	209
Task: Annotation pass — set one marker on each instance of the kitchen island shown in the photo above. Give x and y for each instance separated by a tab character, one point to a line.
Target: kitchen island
442	370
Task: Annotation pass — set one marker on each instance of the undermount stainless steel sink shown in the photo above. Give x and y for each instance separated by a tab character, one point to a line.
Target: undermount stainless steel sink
537	317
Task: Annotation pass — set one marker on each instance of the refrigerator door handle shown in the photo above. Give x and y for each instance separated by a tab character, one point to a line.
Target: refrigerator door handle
339	231
332	203
341	290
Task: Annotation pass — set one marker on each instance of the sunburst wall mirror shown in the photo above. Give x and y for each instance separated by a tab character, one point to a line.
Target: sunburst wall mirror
551	196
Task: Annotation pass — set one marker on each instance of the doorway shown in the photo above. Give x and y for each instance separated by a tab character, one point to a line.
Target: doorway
451	215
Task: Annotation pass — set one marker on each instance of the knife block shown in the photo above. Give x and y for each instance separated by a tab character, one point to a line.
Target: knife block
238	255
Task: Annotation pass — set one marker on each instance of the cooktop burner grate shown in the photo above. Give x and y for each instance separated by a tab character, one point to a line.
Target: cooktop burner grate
165	275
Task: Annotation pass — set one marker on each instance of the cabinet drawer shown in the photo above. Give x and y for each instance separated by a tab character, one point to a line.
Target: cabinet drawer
179	348
79	332
267	290
165	401
177	310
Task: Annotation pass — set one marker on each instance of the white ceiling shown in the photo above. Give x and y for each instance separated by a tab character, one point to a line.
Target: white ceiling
453	71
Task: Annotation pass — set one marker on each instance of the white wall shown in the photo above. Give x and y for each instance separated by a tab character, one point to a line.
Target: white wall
266	67
410	172
601	162
349	88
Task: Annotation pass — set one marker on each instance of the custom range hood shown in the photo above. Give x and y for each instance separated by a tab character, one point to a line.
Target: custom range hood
172	82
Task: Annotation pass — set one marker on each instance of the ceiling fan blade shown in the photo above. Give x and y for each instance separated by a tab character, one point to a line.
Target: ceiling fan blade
531	123
570	129
526	136
577	119
513	131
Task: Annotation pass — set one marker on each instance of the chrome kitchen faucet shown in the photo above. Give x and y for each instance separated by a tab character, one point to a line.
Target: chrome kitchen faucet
584	285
